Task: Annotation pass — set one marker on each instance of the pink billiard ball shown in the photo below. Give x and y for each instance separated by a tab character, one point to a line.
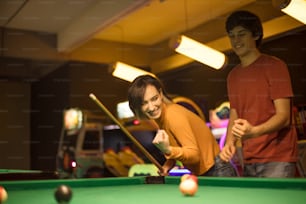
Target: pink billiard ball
188	187
3	194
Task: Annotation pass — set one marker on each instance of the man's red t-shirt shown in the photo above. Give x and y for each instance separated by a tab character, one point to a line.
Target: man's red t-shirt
251	92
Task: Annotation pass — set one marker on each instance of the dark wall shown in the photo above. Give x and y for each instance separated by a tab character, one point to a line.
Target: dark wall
50	96
292	49
95	78
15	99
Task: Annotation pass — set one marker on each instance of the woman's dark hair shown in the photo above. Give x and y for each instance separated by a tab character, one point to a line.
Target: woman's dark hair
137	90
247	20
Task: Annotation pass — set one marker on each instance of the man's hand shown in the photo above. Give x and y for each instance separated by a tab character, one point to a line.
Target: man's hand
242	129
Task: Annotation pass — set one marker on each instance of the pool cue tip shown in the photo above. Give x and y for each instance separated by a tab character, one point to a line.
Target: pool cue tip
91	95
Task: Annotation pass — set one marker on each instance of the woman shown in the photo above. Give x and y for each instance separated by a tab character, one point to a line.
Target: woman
181	135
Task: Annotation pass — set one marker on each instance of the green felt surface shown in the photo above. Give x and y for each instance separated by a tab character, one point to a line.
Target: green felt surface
18	171
134	190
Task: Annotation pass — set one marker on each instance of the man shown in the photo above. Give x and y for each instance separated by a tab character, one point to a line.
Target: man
260	94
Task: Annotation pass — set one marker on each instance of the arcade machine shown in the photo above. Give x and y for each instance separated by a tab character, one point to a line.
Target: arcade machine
80	150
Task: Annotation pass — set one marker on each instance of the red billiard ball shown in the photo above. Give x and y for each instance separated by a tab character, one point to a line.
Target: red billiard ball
3	194
189	176
63	194
195	178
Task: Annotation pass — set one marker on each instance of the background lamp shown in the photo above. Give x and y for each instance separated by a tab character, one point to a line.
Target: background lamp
128	72
294	8
198	51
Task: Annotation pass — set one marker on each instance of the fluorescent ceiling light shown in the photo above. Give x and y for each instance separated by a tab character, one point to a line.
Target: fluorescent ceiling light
294	8
198	51
128	72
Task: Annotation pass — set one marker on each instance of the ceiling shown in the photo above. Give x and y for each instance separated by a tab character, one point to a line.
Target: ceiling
133	31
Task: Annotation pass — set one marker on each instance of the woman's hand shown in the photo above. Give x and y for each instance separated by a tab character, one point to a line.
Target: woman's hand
228	151
164	172
168	165
161	141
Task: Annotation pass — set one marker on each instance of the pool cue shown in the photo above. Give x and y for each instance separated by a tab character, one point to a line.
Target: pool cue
144	151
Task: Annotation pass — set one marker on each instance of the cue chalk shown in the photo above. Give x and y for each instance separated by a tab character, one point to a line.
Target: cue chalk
155	180
144	151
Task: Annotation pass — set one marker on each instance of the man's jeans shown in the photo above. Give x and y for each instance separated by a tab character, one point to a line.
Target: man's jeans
270	169
221	169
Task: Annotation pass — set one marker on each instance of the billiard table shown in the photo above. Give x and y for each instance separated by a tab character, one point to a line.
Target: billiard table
20	174
159	190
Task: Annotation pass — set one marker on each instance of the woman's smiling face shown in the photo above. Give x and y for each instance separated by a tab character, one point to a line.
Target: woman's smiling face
152	102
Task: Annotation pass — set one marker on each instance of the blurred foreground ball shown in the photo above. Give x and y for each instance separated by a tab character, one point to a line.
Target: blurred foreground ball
3	194
188	187
63	194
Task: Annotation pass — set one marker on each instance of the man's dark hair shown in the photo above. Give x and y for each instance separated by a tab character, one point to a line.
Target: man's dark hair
247	20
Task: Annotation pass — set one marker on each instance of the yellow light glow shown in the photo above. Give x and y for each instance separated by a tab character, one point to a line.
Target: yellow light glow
128	72
296	9
199	52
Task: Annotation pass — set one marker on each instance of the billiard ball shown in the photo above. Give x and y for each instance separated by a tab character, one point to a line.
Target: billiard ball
63	194
184	177
3	194
189	176
188	187
195	178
